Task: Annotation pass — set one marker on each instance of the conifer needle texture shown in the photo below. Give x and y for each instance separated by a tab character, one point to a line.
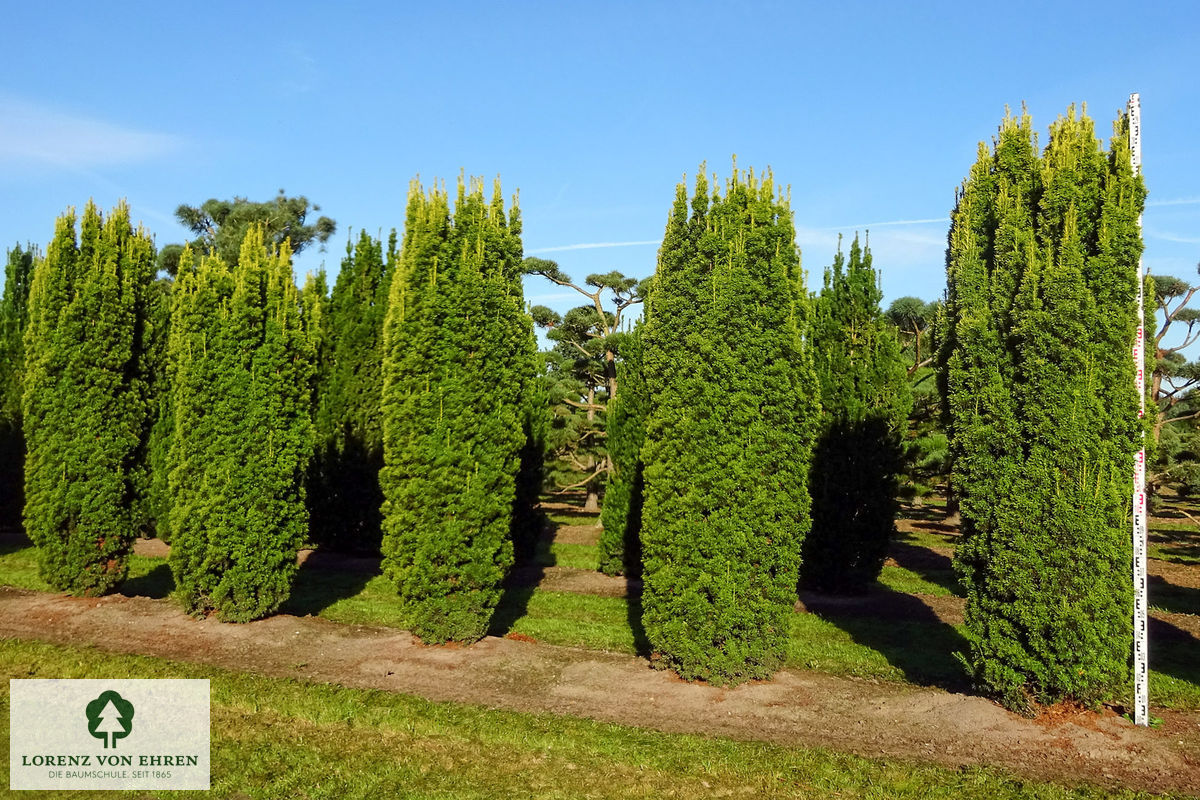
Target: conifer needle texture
459	354
621	515
85	404
733	403
241	362
1042	414
858	456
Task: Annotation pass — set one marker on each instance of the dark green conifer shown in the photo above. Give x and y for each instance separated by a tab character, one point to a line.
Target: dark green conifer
346	497
458	356
621	515
85	399
242	368
733	407
14	314
1036	366
859	452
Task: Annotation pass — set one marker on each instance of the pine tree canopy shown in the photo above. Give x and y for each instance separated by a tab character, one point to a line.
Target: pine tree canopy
221	226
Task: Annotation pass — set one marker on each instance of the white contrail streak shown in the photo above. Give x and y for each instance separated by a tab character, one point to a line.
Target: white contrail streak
889	222
1176	201
591	246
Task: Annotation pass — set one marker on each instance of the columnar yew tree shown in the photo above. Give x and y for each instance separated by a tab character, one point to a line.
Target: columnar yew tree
241	365
458	355
14	314
859	452
1037	370
346	491
85	404
733	404
621	516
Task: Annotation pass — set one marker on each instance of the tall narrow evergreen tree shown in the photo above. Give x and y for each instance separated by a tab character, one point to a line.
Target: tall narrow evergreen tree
14	315
459	354
85	398
152	512
733	406
859	453
621	515
241	396
1036	366
346	496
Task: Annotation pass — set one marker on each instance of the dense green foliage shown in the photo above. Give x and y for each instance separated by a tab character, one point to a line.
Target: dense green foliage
344	489
866	400
14	315
241	363
220	226
1036	366
152	514
85	402
459	355
729	432
620	543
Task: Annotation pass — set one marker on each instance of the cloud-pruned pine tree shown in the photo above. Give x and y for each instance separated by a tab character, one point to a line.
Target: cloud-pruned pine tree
859	453
14	314
1036	371
621	515
346	497
459	354
732	414
85	403
241	363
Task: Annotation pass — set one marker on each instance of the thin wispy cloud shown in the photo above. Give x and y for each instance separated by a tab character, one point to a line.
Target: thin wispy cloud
591	246
31	134
862	225
1175	201
1167	236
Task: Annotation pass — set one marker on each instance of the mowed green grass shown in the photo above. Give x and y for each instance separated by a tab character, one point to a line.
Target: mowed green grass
921	651
278	738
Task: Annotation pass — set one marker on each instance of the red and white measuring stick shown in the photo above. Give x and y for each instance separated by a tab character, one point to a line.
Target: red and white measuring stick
1141	657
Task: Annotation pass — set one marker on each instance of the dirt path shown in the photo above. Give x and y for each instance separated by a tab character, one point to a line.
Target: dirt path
797	708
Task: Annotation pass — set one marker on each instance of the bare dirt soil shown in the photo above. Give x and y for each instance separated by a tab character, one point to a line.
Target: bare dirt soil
870	718
798	708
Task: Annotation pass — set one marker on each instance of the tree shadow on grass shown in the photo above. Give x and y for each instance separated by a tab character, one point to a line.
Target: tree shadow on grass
523	580
158	583
931	565
1175	652
317	587
1176	546
13	541
904	629
1172	597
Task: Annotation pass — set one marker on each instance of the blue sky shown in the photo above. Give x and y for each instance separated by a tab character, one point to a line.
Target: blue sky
871	113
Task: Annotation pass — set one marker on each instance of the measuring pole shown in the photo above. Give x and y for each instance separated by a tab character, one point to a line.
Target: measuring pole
1141	659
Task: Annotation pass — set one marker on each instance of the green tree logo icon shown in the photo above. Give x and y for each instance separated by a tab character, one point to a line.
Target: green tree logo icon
110	717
